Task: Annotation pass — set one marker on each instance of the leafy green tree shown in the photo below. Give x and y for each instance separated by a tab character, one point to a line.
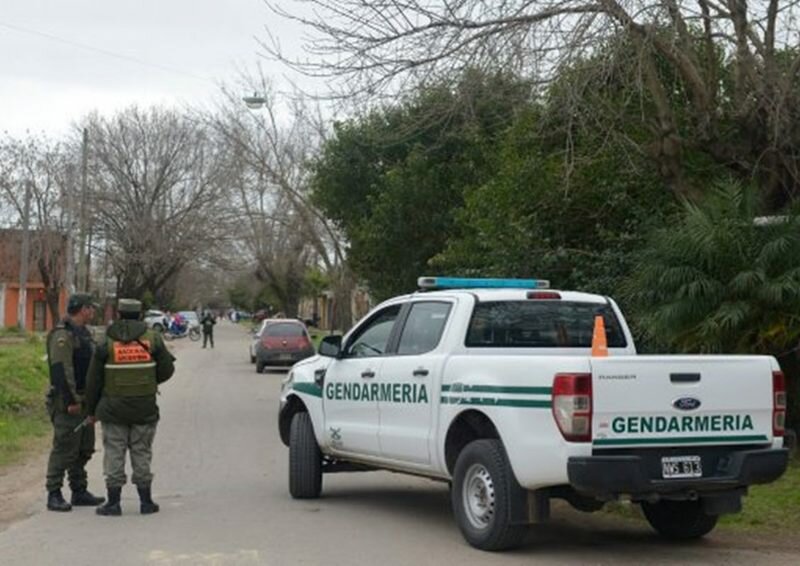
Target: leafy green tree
575	220
393	180
723	280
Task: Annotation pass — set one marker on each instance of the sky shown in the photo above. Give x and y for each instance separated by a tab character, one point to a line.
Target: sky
184	49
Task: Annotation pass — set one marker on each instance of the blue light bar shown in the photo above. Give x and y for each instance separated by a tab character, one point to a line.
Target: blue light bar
431	283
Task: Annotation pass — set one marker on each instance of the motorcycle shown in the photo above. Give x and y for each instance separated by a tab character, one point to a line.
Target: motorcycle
182	331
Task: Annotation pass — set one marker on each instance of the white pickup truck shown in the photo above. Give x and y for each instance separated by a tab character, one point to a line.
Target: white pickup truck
490	385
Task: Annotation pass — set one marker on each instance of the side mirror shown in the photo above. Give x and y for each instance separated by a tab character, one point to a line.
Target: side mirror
330	346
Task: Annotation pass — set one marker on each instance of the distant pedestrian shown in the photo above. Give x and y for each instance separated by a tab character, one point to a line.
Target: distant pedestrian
208	323
122	383
69	351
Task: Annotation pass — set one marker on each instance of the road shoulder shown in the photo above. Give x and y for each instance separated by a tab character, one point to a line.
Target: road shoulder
22	484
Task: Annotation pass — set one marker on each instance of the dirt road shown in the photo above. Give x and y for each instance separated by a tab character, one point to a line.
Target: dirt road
221	482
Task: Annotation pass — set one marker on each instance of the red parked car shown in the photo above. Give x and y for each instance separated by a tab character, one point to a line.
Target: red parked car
281	343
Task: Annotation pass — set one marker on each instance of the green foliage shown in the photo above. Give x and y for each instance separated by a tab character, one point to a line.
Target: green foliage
393	180
148	300
316	281
241	296
576	223
23	380
720	282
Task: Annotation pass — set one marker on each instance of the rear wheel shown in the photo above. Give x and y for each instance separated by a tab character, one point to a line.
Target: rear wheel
480	496
305	459
679	520
259	366
252	359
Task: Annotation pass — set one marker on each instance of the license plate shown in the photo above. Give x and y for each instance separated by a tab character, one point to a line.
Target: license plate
285	357
677	467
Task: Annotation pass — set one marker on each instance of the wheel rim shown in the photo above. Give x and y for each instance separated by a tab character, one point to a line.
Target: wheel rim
478	496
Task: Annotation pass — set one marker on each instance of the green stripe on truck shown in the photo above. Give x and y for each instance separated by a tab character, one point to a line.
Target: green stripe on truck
679	440
494	402
498	389
309	388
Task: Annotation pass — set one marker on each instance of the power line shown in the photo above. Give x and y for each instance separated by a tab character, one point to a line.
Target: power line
102	51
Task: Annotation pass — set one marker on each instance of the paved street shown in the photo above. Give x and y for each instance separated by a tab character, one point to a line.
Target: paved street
221	482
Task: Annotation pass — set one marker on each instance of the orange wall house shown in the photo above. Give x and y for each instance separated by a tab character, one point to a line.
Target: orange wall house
37	315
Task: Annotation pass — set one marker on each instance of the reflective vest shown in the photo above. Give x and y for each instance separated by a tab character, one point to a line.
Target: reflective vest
130	370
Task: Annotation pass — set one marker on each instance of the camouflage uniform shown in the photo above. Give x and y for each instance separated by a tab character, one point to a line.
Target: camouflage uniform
121	392
69	351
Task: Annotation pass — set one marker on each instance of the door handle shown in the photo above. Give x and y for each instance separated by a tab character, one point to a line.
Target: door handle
368	374
420	372
684	377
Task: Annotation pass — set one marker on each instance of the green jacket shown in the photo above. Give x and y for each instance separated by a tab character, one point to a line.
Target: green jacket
126	410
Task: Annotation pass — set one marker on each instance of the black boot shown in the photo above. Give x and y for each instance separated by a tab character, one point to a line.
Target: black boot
112	507
56	501
85	498
147	506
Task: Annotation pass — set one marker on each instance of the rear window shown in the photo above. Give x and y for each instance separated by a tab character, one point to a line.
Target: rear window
284	329
540	324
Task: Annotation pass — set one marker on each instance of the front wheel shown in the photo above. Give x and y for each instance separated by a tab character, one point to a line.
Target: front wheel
194	334
305	459
480	496
679	520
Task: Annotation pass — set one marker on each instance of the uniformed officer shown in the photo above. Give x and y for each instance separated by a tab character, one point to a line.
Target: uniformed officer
121	390
208	323
69	351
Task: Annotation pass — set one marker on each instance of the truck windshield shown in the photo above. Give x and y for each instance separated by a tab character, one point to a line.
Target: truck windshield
540	324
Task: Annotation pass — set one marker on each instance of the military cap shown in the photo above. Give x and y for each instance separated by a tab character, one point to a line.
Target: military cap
79	300
129	306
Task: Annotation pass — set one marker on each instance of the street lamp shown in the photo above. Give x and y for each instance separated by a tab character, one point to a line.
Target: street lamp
254	102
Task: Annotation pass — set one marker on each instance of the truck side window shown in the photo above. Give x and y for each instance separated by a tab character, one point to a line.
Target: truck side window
423	327
373	338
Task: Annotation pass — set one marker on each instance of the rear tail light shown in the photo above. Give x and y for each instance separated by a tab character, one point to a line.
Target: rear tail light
572	405
778	403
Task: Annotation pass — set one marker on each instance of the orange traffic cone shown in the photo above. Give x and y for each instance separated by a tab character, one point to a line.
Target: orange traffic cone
599	342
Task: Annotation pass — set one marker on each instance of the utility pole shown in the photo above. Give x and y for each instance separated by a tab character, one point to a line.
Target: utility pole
24	259
69	198
82	278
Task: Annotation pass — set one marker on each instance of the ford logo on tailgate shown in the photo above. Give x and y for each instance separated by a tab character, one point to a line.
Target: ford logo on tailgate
686	403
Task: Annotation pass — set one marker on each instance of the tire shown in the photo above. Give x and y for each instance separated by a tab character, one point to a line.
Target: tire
194	334
480	496
305	459
679	520
252	359
259	367
158	327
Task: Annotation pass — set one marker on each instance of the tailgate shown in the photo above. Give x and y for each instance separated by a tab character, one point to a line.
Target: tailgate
650	401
